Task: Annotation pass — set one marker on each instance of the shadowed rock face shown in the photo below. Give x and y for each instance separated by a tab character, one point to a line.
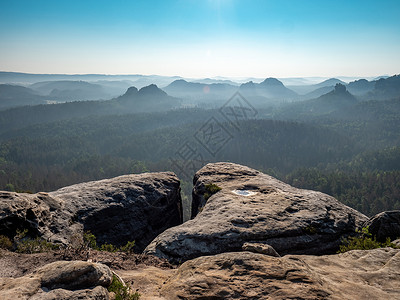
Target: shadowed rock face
257	208
131	207
41	214
385	225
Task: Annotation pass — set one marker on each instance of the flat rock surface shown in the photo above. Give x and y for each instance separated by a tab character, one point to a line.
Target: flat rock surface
125	208
257	208
367	274
243	275
371	274
358	274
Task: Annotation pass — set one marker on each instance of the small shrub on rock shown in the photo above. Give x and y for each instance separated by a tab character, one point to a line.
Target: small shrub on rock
5	242
121	291
211	189
363	241
89	240
28	245
128	248
108	248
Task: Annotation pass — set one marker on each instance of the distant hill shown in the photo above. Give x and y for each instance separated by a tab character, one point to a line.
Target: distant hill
14	95
184	88
316	89
211	81
339	96
330	82
318	92
270	88
196	92
338	99
145	80
360	87
147	99
385	88
69	90
28	78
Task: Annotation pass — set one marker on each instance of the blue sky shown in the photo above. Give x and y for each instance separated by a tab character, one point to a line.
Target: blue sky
193	38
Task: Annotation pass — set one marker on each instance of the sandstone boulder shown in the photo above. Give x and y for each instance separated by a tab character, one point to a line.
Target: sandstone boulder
371	274
358	274
260	248
42	215
243	275
60	280
385	225
257	208
131	207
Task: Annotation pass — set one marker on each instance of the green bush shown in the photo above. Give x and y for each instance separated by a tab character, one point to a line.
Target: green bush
211	189
24	244
90	242
128	248
5	242
108	248
363	241
35	245
121	291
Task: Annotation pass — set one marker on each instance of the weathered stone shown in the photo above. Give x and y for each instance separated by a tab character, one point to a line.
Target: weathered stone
358	274
98	293
243	275
385	225
73	275
254	207
131	207
41	214
260	248
371	274
60	280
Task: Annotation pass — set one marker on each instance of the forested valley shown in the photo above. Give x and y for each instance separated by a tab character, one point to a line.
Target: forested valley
342	145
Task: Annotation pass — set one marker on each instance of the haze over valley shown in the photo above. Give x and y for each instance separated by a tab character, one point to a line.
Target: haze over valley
346	134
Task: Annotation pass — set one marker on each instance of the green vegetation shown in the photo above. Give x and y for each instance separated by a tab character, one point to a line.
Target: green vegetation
363	241
122	292
5	242
108	248
24	244
128	248
370	192
89	240
352	154
211	189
